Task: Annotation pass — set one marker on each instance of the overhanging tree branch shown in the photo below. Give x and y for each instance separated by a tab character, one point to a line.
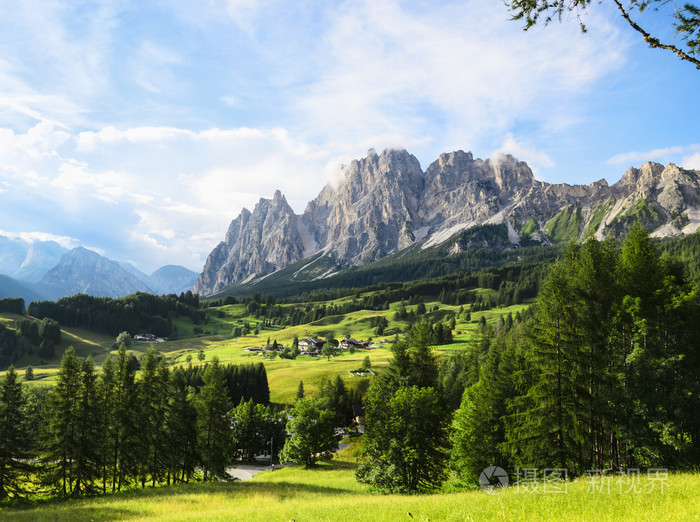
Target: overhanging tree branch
652	41
686	20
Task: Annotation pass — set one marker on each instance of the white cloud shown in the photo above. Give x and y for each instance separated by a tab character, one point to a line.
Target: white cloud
152	68
31	237
384	66
692	161
634	158
55	59
534	159
158	194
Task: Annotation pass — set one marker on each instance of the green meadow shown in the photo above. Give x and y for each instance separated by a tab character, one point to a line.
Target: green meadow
216	340
330	492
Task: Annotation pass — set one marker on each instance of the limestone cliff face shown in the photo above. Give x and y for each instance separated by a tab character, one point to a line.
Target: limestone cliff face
256	243
385	203
371	211
461	190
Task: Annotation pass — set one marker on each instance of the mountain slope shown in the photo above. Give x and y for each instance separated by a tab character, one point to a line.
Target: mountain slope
27	261
85	271
171	279
10	287
386	203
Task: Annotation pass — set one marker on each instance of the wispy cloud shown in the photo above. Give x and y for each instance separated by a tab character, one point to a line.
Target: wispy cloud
635	157
523	152
692	161
452	71
31	237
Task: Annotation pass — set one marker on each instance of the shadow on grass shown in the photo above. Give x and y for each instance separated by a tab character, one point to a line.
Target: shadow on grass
77	511
133	503
327	465
288	489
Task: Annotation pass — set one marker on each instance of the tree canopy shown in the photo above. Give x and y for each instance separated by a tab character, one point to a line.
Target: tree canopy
313	433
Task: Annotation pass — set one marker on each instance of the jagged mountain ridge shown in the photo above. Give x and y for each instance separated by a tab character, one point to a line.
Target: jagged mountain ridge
386	203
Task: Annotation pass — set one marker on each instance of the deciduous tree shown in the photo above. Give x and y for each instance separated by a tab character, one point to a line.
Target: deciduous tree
313	433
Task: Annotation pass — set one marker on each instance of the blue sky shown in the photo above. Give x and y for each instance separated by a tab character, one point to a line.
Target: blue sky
140	129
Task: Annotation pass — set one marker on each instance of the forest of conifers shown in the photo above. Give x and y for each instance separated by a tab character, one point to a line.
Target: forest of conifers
100	431
603	373
605	376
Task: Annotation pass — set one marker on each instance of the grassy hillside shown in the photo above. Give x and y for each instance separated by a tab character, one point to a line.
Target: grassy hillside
330	492
216	339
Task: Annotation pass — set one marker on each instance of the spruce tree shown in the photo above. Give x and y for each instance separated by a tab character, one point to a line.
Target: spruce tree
181	430
548	423
153	400
88	435
14	438
126	442
479	425
62	430
214	425
107	423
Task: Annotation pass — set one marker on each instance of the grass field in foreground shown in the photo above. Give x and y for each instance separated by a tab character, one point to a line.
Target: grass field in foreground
330	492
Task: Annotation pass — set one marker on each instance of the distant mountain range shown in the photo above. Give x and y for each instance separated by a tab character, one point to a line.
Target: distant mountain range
27	261
383	208
386	204
45	270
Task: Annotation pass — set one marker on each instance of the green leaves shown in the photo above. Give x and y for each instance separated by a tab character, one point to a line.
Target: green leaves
406	441
313	433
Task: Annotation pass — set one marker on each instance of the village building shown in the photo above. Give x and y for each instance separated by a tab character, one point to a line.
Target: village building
347	343
311	346
145	338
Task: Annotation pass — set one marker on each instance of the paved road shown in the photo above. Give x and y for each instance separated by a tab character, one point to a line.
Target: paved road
248	471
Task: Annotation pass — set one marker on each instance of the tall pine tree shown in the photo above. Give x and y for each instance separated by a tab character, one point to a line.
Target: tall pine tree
14	438
214	425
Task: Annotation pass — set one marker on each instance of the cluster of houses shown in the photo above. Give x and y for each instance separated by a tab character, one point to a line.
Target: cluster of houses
347	343
309	346
149	338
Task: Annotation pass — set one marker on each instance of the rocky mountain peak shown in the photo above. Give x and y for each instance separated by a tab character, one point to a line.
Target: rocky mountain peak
256	242
644	176
383	203
511	174
84	271
457	159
